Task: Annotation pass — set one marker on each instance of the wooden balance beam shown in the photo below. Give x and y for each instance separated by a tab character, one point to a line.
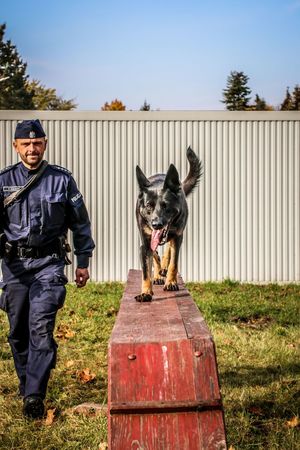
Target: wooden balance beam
163	388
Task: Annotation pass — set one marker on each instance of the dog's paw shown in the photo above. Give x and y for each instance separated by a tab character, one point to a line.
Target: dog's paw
158	280
142	298
163	272
172	286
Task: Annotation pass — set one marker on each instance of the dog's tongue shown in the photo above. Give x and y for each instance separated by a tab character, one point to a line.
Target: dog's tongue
155	239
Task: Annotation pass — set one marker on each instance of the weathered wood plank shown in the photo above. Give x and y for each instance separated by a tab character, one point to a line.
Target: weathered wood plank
161	319
163	379
156	432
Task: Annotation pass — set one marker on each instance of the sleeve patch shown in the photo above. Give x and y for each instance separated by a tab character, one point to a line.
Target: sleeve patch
76	197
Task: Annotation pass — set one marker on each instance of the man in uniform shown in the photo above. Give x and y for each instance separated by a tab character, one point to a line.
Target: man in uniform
34	225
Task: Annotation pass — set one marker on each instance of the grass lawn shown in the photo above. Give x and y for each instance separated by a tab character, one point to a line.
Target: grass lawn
257	335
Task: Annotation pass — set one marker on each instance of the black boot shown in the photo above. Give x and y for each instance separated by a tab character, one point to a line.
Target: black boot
33	407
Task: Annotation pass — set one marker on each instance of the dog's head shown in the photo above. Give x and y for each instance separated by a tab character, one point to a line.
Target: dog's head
160	202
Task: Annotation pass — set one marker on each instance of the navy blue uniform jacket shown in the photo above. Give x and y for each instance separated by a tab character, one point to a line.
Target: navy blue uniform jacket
46	211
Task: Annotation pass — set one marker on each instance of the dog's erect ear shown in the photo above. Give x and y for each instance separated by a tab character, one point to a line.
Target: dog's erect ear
172	181
143	181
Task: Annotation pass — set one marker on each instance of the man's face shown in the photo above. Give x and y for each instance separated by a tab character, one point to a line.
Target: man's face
31	151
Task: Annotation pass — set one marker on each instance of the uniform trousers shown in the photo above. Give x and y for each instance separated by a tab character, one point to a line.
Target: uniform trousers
32	292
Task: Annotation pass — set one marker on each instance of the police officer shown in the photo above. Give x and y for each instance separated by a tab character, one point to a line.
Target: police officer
33	247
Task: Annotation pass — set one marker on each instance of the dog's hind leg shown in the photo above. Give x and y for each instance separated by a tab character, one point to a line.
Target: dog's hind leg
157	278
165	261
171	281
146	260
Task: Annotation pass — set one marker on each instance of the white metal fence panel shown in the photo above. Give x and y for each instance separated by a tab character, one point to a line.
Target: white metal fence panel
244	221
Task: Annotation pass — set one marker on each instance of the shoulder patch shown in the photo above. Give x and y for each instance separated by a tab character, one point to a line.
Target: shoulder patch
7	169
76	197
60	168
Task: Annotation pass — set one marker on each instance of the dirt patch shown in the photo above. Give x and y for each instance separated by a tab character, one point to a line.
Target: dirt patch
255	321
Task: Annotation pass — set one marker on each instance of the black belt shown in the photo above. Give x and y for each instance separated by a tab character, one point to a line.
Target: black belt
52	249
57	248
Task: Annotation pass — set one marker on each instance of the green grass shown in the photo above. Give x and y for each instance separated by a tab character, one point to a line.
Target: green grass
256	331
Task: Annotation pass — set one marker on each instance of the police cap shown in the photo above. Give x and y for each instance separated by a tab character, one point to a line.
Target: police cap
29	129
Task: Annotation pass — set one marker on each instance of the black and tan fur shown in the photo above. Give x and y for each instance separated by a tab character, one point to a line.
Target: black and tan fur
162	213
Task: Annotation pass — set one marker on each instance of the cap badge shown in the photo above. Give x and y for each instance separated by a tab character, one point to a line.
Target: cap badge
32	134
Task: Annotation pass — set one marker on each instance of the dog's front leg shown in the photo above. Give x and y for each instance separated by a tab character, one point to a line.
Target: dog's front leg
157	278
146	261
171	281
165	261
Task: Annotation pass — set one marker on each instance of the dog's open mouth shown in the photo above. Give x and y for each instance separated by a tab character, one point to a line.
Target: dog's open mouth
159	237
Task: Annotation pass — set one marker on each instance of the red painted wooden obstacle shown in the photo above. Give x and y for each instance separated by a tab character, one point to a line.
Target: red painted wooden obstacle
163	381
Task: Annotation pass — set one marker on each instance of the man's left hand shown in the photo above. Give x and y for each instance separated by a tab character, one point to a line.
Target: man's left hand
82	275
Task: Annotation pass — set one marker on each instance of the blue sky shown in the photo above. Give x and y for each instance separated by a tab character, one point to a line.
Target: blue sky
176	54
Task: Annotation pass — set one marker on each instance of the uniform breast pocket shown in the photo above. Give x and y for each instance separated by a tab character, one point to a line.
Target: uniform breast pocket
55	209
14	212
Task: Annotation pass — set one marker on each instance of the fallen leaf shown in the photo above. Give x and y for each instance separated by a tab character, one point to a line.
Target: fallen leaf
103	446
256	410
64	332
111	312
69	334
50	416
293	423
85	375
87	409
69	364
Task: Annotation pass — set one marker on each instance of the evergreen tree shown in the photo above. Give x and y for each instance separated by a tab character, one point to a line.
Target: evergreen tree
145	106
115	105
47	98
13	92
287	104
296	98
236	95
260	104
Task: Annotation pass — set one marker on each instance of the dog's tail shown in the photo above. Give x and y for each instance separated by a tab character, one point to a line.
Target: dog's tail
194	174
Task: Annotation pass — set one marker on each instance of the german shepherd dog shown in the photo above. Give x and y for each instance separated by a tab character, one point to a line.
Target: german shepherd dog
162	213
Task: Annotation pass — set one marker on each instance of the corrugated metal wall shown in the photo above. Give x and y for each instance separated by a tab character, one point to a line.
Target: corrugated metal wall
244	221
